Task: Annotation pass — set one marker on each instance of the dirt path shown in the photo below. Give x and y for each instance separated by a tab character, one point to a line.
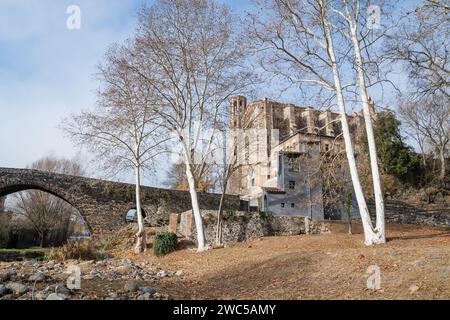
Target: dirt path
332	266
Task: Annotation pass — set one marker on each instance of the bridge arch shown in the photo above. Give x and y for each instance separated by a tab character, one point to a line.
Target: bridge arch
104	204
8	189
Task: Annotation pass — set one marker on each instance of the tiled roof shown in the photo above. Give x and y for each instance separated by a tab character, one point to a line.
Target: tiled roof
273	190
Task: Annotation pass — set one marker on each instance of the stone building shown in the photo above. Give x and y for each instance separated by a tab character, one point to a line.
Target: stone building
280	150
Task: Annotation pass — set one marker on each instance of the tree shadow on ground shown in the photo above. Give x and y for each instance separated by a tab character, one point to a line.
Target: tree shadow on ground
417	237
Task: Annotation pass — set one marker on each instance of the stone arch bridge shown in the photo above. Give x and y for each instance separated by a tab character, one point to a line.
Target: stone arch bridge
104	204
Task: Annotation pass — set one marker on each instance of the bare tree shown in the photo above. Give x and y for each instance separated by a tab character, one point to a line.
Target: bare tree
299	39
42	210
357	31
123	131
429	119
177	178
192	46
421	43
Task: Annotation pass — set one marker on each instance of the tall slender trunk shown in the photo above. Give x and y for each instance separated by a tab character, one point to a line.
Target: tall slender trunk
369	234
194	197
141	238
195	206
41	239
219	214
379	201
442	159
196	210
347	209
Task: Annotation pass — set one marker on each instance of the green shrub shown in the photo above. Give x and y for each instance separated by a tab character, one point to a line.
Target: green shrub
229	215
164	243
266	217
107	245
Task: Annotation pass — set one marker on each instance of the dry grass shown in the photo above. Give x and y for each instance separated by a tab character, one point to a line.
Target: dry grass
76	250
332	266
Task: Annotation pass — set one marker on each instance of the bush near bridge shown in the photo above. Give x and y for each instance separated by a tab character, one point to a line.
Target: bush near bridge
164	243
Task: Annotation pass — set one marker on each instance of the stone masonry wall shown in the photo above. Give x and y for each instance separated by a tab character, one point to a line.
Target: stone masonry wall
104	204
244	226
402	213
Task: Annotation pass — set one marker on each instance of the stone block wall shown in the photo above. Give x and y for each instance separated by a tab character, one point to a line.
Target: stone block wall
104	204
291	225
402	213
243	226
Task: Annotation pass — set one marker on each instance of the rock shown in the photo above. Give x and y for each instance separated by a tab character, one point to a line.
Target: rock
179	273
37	277
57	296
50	264
145	296
162	274
124	269
58	288
413	288
131	286
17	288
41	295
8	275
149	290
62	289
3	290
7	297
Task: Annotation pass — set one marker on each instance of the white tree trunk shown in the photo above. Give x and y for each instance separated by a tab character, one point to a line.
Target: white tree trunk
194	198
442	159
141	238
196	210
369	234
379	201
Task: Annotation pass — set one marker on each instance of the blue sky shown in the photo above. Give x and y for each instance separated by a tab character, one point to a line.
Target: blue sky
46	70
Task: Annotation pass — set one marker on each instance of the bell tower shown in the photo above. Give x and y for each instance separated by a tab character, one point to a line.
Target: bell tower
238	106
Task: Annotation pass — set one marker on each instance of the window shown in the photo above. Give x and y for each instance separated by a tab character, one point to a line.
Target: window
291	185
253	182
268	176
302	147
280	164
247	148
292	205
282	204
294	163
